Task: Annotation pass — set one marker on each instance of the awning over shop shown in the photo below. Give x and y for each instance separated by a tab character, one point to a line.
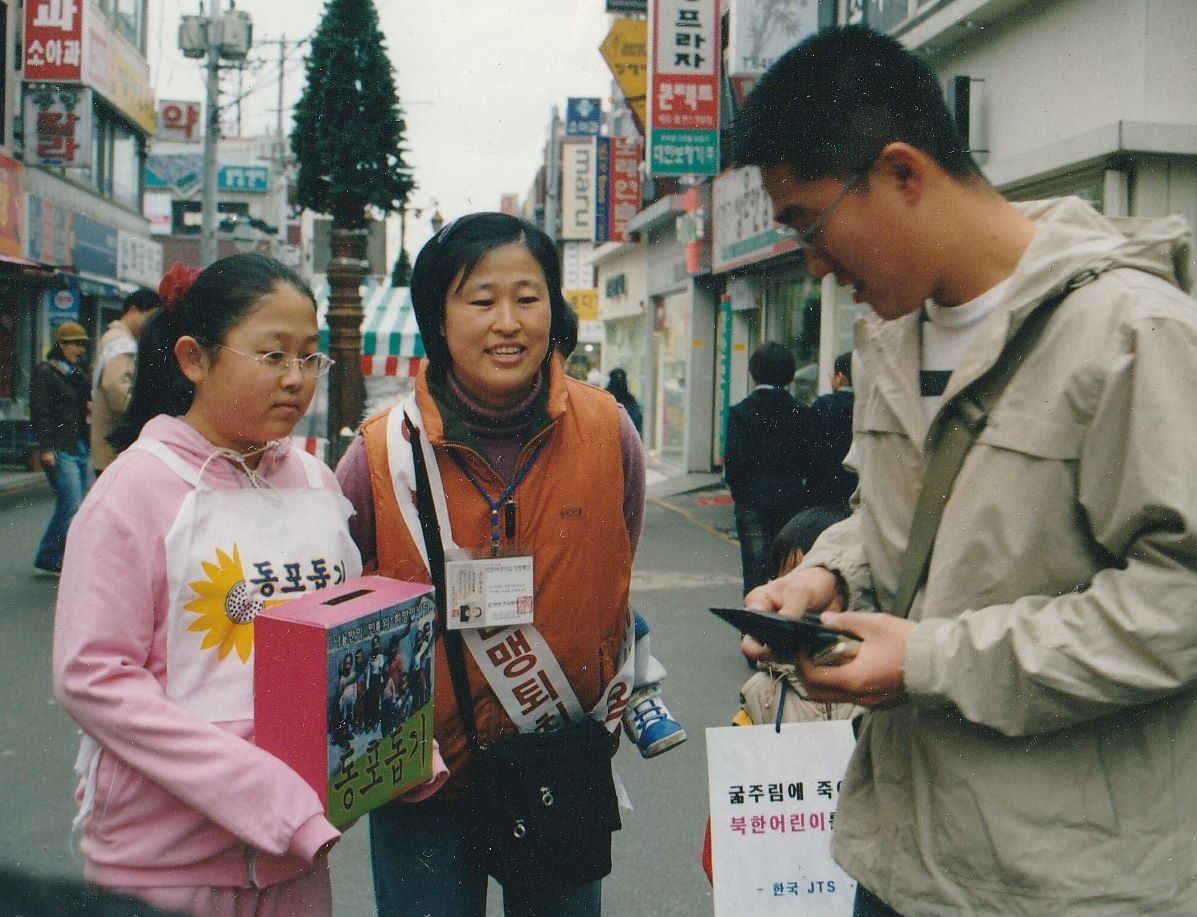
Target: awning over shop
391	344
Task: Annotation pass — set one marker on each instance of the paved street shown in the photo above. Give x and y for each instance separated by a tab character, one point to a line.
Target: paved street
685	563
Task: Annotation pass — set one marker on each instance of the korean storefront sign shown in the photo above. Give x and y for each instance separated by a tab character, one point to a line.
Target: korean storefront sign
760	32
583	117
743	227
624	189
178	120
12	207
576	268
625	49
53	40
602	189
773	794
683	99
117	71
138	259
60	235
253	179
71	41
58	126
577	189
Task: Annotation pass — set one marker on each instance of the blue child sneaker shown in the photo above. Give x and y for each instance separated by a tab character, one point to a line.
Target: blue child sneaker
647	722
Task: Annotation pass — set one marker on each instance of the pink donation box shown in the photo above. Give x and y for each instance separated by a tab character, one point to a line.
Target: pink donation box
343	690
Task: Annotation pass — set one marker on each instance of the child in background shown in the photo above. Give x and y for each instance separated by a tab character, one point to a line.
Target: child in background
205	520
764	698
774	694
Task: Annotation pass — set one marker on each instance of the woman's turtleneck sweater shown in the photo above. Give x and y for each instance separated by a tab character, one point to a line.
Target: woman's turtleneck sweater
499	436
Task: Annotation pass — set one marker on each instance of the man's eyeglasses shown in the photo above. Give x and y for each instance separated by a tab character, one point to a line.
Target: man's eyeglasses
806	237
313	366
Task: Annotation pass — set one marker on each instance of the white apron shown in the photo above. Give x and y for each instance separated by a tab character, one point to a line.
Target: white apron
230	554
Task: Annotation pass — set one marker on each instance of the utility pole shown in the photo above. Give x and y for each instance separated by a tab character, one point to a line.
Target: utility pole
217	36
211	130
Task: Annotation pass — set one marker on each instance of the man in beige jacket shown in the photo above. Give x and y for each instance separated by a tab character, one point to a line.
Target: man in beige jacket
1031	745
112	374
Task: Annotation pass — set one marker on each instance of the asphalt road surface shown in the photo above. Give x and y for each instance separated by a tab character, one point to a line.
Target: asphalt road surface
681	568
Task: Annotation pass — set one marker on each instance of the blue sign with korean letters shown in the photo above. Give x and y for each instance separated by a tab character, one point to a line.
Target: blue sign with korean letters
583	117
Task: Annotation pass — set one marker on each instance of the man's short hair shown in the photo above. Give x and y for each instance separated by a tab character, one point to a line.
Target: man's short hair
143	300
828	107
843	366
772	364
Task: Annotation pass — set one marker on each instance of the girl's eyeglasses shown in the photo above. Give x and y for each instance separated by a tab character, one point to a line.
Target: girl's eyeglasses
313	366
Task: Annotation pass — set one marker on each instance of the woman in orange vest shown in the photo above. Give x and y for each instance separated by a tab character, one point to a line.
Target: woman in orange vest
539	483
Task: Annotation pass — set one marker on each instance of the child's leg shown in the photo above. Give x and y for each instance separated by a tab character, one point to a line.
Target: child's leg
646	719
648	672
309	894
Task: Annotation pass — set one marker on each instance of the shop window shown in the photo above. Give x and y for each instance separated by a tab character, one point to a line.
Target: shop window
118	159
881	15
128	17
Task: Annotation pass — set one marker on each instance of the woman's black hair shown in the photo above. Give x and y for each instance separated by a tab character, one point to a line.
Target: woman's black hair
801	532
221	297
451	255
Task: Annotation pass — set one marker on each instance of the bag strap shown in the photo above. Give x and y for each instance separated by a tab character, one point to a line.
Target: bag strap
963	420
436	567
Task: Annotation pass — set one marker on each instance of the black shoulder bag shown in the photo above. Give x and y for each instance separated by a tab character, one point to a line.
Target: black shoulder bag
542	805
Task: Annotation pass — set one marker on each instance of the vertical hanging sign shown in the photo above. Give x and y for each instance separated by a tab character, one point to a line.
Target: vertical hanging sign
683	98
602	189
625	185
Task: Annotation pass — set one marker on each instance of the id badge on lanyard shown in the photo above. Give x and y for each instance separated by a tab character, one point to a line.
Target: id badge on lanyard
494	591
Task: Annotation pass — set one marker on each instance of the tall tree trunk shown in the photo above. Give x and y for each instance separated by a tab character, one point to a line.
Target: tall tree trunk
346	269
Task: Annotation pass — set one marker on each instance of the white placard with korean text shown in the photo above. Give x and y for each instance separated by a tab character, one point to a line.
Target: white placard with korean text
773	797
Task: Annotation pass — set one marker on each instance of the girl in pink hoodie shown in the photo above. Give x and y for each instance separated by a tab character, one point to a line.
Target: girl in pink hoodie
203	521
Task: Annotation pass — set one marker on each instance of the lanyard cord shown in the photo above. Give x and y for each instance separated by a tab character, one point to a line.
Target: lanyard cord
496	505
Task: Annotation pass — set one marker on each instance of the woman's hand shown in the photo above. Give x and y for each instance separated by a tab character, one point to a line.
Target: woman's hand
49	459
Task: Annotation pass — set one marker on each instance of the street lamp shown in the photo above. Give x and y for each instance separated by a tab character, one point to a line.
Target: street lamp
437	221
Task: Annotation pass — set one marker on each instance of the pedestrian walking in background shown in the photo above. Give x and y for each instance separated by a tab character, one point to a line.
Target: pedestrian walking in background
1033	683
112	373
765	462
172	555
59	400
829	437
529	464
617	385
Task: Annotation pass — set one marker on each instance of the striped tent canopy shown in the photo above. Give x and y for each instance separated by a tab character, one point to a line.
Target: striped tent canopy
391	344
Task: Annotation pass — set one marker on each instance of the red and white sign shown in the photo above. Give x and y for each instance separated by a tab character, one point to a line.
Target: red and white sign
685	75
683	96
58	126
53	45
625	185
179	121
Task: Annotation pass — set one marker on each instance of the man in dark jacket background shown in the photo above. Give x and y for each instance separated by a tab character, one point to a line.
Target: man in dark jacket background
765	462
58	400
829	436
